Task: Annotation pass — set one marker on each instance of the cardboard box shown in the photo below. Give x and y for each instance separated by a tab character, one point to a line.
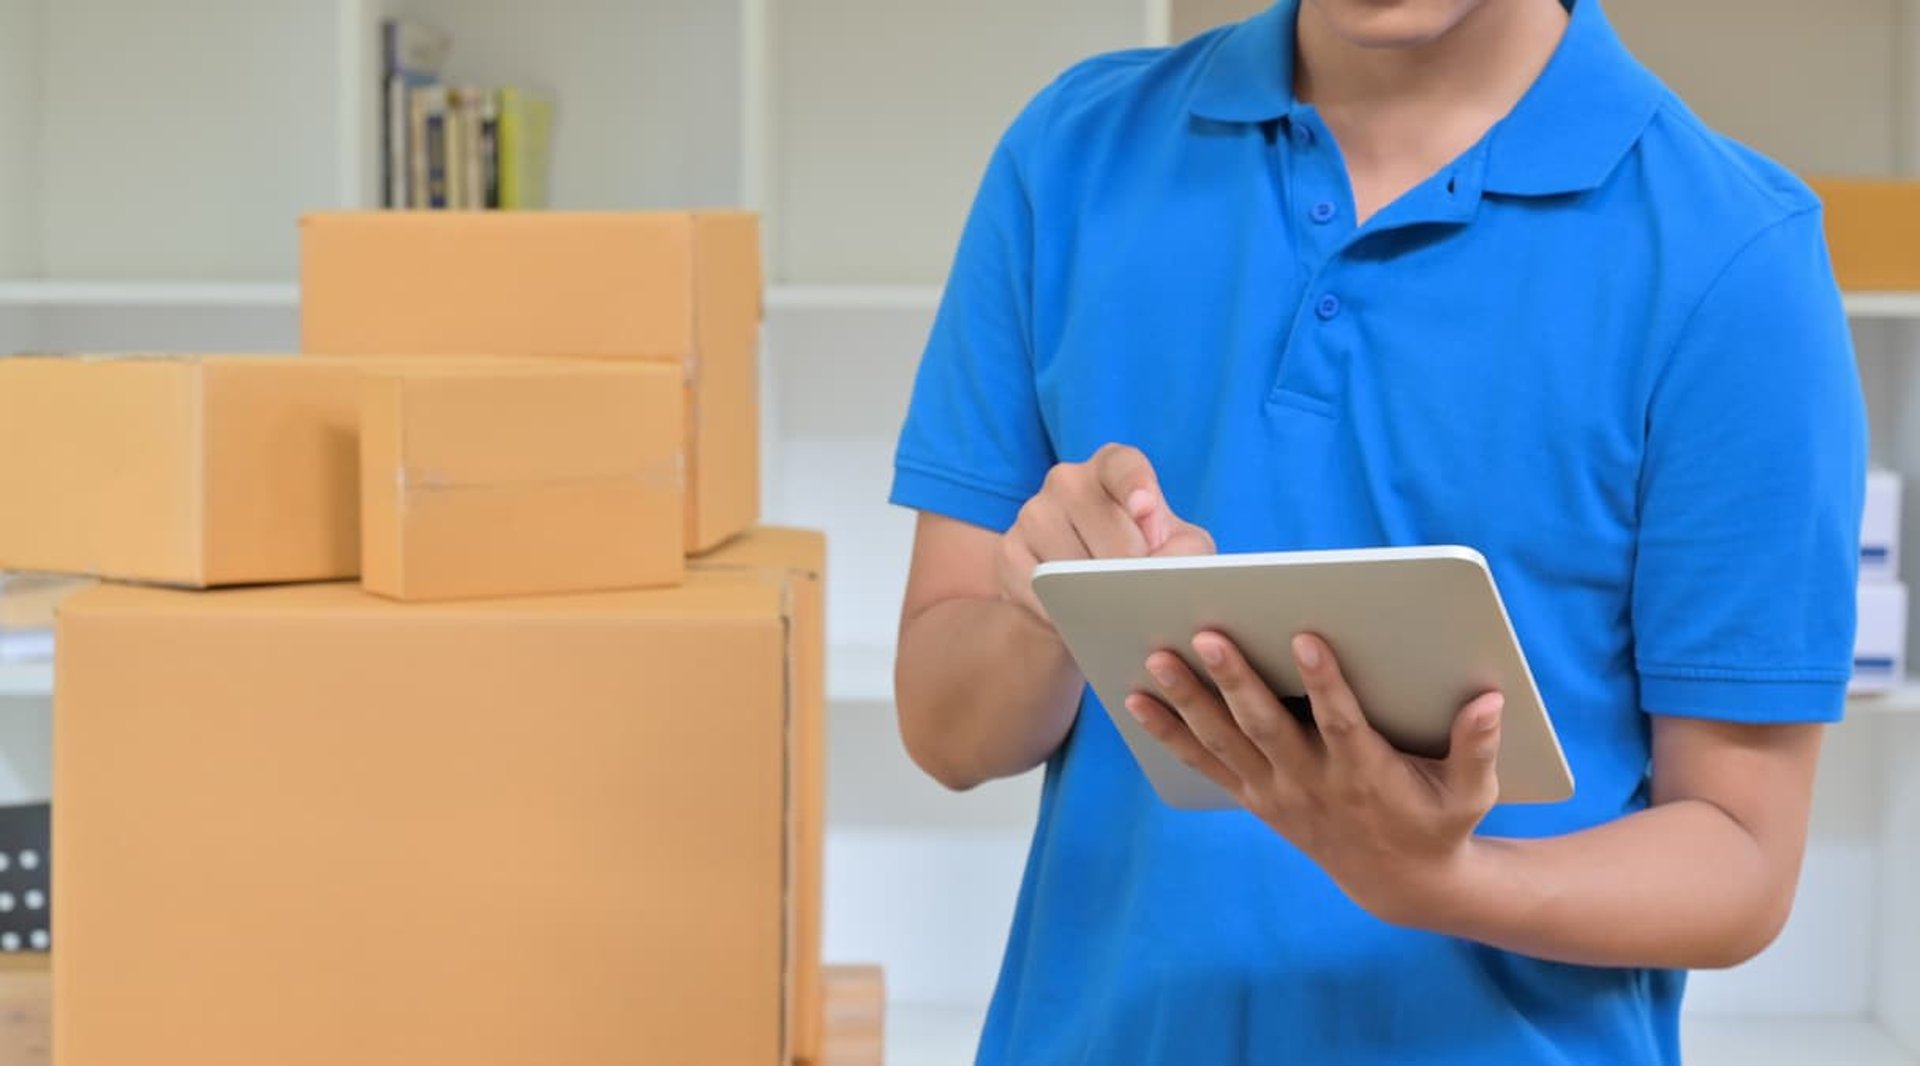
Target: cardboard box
539	478
856	1016
188	470
1873	232
24	1010
796	560
1880	646
306	825
1880	528
676	287
193	471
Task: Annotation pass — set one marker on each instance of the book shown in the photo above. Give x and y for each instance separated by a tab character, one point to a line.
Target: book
473	192
413	55
525	136
454	141
428	169
490	149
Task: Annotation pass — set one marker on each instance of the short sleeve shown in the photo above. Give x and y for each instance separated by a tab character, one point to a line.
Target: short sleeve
1755	465
973	446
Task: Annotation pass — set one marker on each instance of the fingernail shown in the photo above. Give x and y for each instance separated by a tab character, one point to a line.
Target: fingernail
1491	716
1210	652
1139	502
1306	652
1133	708
1162	674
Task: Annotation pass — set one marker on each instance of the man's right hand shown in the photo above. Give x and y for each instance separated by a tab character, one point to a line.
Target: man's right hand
1109	507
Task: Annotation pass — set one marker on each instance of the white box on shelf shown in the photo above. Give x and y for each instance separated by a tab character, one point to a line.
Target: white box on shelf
1880	528
1880	647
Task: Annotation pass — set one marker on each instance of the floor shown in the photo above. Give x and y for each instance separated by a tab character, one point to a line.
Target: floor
940	1036
944	1036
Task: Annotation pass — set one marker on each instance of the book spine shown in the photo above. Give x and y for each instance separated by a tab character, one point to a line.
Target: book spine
436	138
508	149
473	163
454	150
490	149
393	144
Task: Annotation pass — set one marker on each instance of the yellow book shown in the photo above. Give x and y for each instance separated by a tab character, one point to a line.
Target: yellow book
526	133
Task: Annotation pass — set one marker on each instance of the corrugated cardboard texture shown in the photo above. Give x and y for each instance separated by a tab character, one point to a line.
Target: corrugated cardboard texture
676	287
1873	232
797	559
856	1010
308	826
538	479
179	470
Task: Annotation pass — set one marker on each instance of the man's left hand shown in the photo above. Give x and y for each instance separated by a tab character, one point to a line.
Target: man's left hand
1395	831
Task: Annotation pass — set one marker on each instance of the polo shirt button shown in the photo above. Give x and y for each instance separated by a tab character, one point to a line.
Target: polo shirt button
1323	212
1303	135
1328	307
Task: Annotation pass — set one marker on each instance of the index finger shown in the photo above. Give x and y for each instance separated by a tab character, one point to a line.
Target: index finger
1126	475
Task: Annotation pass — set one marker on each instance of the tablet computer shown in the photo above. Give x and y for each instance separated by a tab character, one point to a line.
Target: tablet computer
1419	633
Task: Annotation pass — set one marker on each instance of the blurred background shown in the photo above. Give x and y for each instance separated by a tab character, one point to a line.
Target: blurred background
153	158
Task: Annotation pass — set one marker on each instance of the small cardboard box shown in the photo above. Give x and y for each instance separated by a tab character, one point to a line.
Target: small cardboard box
538	478
306	825
797	560
1873	232
182	470
856	1017
1880	528
1880	647
682	288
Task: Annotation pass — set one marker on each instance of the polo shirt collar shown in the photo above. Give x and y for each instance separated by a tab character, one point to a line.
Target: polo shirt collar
1574	125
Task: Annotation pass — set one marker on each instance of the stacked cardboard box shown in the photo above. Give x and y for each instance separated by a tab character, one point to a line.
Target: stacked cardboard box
539	787
1880	645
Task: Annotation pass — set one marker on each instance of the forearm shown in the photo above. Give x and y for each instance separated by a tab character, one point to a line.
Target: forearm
1682	885
985	690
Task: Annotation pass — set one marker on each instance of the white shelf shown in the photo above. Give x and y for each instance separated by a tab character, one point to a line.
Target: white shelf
859	673
853	297
940	1036
26	680
148	294
1904	700
1883	304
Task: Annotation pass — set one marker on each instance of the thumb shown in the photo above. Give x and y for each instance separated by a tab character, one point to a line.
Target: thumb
1475	750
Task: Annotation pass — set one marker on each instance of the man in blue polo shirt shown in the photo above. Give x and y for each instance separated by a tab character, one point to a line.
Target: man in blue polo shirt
1386	272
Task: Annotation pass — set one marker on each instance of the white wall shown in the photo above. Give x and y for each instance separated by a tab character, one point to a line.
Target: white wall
21	26
1191	17
1898	944
649	104
1810	84
183	139
888	109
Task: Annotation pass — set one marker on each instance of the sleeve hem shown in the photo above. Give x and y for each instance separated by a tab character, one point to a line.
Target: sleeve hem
922	488
1753	701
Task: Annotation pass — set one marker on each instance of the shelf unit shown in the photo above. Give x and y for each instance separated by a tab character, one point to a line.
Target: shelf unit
244	113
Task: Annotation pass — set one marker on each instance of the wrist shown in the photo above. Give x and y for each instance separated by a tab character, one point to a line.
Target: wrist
1453	896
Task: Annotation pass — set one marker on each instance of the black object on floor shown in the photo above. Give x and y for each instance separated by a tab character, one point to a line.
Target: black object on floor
26	899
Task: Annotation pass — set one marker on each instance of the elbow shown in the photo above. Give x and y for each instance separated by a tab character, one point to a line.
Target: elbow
933	749
1741	942
937	759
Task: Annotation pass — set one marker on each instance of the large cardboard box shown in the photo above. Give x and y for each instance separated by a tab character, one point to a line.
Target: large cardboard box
189	470
537	478
1873	232
1880	642
796	560
181	470
683	288
306	825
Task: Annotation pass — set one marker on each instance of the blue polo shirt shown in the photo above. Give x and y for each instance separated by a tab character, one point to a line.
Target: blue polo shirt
1604	346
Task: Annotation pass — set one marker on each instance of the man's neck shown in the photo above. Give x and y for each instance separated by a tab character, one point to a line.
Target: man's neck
1490	58
1400	114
